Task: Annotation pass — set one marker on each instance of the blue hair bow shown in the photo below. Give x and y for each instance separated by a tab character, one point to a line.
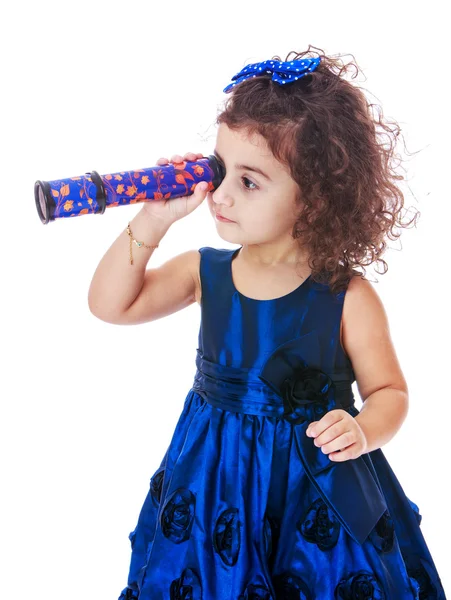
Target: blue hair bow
282	72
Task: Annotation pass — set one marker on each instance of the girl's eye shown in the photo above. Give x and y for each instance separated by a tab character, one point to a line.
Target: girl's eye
251	182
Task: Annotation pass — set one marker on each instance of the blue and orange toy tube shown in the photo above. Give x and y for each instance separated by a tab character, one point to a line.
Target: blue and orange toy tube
92	193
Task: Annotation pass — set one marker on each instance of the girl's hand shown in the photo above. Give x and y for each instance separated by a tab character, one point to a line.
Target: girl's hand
173	209
338	430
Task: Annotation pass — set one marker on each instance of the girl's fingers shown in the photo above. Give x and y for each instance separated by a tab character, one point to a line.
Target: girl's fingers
192	156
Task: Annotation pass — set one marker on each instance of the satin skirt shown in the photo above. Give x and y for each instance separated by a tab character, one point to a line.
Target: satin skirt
234	511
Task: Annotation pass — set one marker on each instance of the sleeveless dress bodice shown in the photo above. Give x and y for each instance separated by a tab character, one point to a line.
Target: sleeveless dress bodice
243	331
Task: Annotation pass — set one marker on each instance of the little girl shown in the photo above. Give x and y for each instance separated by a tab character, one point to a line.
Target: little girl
274	486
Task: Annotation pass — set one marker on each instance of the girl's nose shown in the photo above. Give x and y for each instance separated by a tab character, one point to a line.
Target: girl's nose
220	196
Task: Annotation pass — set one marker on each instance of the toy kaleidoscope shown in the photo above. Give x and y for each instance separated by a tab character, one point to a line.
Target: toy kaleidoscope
92	193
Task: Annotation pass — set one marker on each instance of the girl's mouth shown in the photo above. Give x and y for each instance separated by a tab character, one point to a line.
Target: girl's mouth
221	218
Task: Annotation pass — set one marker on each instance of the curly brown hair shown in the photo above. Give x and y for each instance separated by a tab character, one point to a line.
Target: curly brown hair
322	128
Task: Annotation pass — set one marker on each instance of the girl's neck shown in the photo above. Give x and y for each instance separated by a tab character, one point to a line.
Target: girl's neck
272	255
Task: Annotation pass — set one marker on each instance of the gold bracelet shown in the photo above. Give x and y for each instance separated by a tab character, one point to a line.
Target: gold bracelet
139	244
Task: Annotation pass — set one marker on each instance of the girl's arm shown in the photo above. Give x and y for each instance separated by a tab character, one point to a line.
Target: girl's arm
124	294
380	381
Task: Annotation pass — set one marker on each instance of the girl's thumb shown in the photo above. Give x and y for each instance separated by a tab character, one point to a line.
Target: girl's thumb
202	186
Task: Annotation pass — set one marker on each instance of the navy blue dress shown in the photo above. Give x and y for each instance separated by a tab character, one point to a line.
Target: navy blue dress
243	505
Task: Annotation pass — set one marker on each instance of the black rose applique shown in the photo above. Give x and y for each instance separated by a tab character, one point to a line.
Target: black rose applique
361	586
425	576
156	484
187	586
227	536
288	586
319	525
178	515
383	535
306	394
271	534
129	594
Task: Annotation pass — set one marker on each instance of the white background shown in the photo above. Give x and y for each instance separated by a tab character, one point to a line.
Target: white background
88	408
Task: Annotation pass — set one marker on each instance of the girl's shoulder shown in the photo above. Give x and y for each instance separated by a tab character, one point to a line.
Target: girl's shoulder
362	303
360	291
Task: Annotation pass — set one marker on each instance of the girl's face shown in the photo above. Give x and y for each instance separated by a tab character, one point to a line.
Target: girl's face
262	205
